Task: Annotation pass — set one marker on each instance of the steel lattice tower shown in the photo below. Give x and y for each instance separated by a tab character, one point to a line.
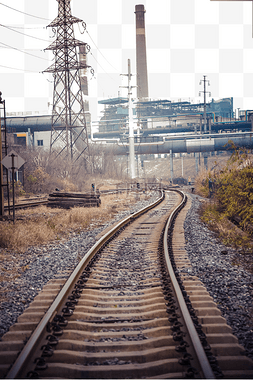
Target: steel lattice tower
68	133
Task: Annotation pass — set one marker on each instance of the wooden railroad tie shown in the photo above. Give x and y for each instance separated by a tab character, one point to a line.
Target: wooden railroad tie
69	200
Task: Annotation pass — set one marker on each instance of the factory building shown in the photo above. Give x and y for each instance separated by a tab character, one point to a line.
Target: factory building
162	114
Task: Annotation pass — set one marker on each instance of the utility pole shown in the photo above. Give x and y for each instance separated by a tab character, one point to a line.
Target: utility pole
1	167
204	81
69	136
130	123
3	153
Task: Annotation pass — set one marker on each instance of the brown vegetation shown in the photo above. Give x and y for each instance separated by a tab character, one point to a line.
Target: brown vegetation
42	225
230	190
43	173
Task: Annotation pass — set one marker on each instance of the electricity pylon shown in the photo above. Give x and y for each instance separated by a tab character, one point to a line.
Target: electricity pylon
69	136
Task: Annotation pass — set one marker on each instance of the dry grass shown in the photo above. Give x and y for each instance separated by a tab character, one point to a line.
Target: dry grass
226	231
198	184
42	225
215	164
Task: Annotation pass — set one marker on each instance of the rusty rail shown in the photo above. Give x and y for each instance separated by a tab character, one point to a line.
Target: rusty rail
200	353
27	352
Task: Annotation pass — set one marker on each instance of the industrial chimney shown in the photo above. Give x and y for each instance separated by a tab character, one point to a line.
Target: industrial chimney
84	84
141	59
83	72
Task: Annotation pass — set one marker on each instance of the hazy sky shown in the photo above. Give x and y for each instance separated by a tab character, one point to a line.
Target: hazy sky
186	39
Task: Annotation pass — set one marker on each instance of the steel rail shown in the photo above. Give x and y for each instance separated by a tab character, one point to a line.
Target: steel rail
26	205
28	351
203	361
45	202
20	206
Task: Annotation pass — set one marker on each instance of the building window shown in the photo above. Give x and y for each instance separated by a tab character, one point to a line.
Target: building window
40	142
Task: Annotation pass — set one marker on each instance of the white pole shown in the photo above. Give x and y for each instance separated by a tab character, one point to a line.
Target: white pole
171	165
131	125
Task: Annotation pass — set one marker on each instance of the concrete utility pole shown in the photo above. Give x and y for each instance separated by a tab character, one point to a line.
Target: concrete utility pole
130	122
171	166
3	152
1	174
204	81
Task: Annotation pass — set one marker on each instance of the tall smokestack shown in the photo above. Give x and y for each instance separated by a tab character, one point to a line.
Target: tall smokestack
141	59
83	72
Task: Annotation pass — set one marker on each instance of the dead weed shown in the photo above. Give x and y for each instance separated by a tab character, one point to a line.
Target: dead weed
42	225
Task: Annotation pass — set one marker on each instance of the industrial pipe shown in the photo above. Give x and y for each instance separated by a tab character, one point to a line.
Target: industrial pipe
187	145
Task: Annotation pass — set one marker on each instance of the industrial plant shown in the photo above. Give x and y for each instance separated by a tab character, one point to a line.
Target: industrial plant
156	126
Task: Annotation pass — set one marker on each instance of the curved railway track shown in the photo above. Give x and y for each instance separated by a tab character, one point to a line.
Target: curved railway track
129	310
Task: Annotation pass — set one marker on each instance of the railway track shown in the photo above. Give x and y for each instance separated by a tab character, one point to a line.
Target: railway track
129	310
44	201
25	204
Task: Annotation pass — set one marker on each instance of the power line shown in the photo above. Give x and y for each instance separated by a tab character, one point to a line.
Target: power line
100	51
27	14
102	67
24	34
102	56
26	27
22	51
14	68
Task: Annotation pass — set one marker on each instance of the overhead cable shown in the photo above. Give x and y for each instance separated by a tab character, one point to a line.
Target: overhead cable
100	51
102	67
14	68
27	14
22	51
26	27
24	34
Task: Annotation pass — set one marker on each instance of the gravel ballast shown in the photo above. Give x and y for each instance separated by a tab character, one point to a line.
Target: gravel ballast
230	285
40	264
218	267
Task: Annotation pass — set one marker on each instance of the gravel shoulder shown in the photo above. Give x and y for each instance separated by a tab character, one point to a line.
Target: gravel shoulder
225	273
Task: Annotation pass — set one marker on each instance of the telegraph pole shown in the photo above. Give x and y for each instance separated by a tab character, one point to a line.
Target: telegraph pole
1	167
3	153
130	123
204	81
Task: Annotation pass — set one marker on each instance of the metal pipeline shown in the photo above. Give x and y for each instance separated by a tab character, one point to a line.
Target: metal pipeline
186	145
